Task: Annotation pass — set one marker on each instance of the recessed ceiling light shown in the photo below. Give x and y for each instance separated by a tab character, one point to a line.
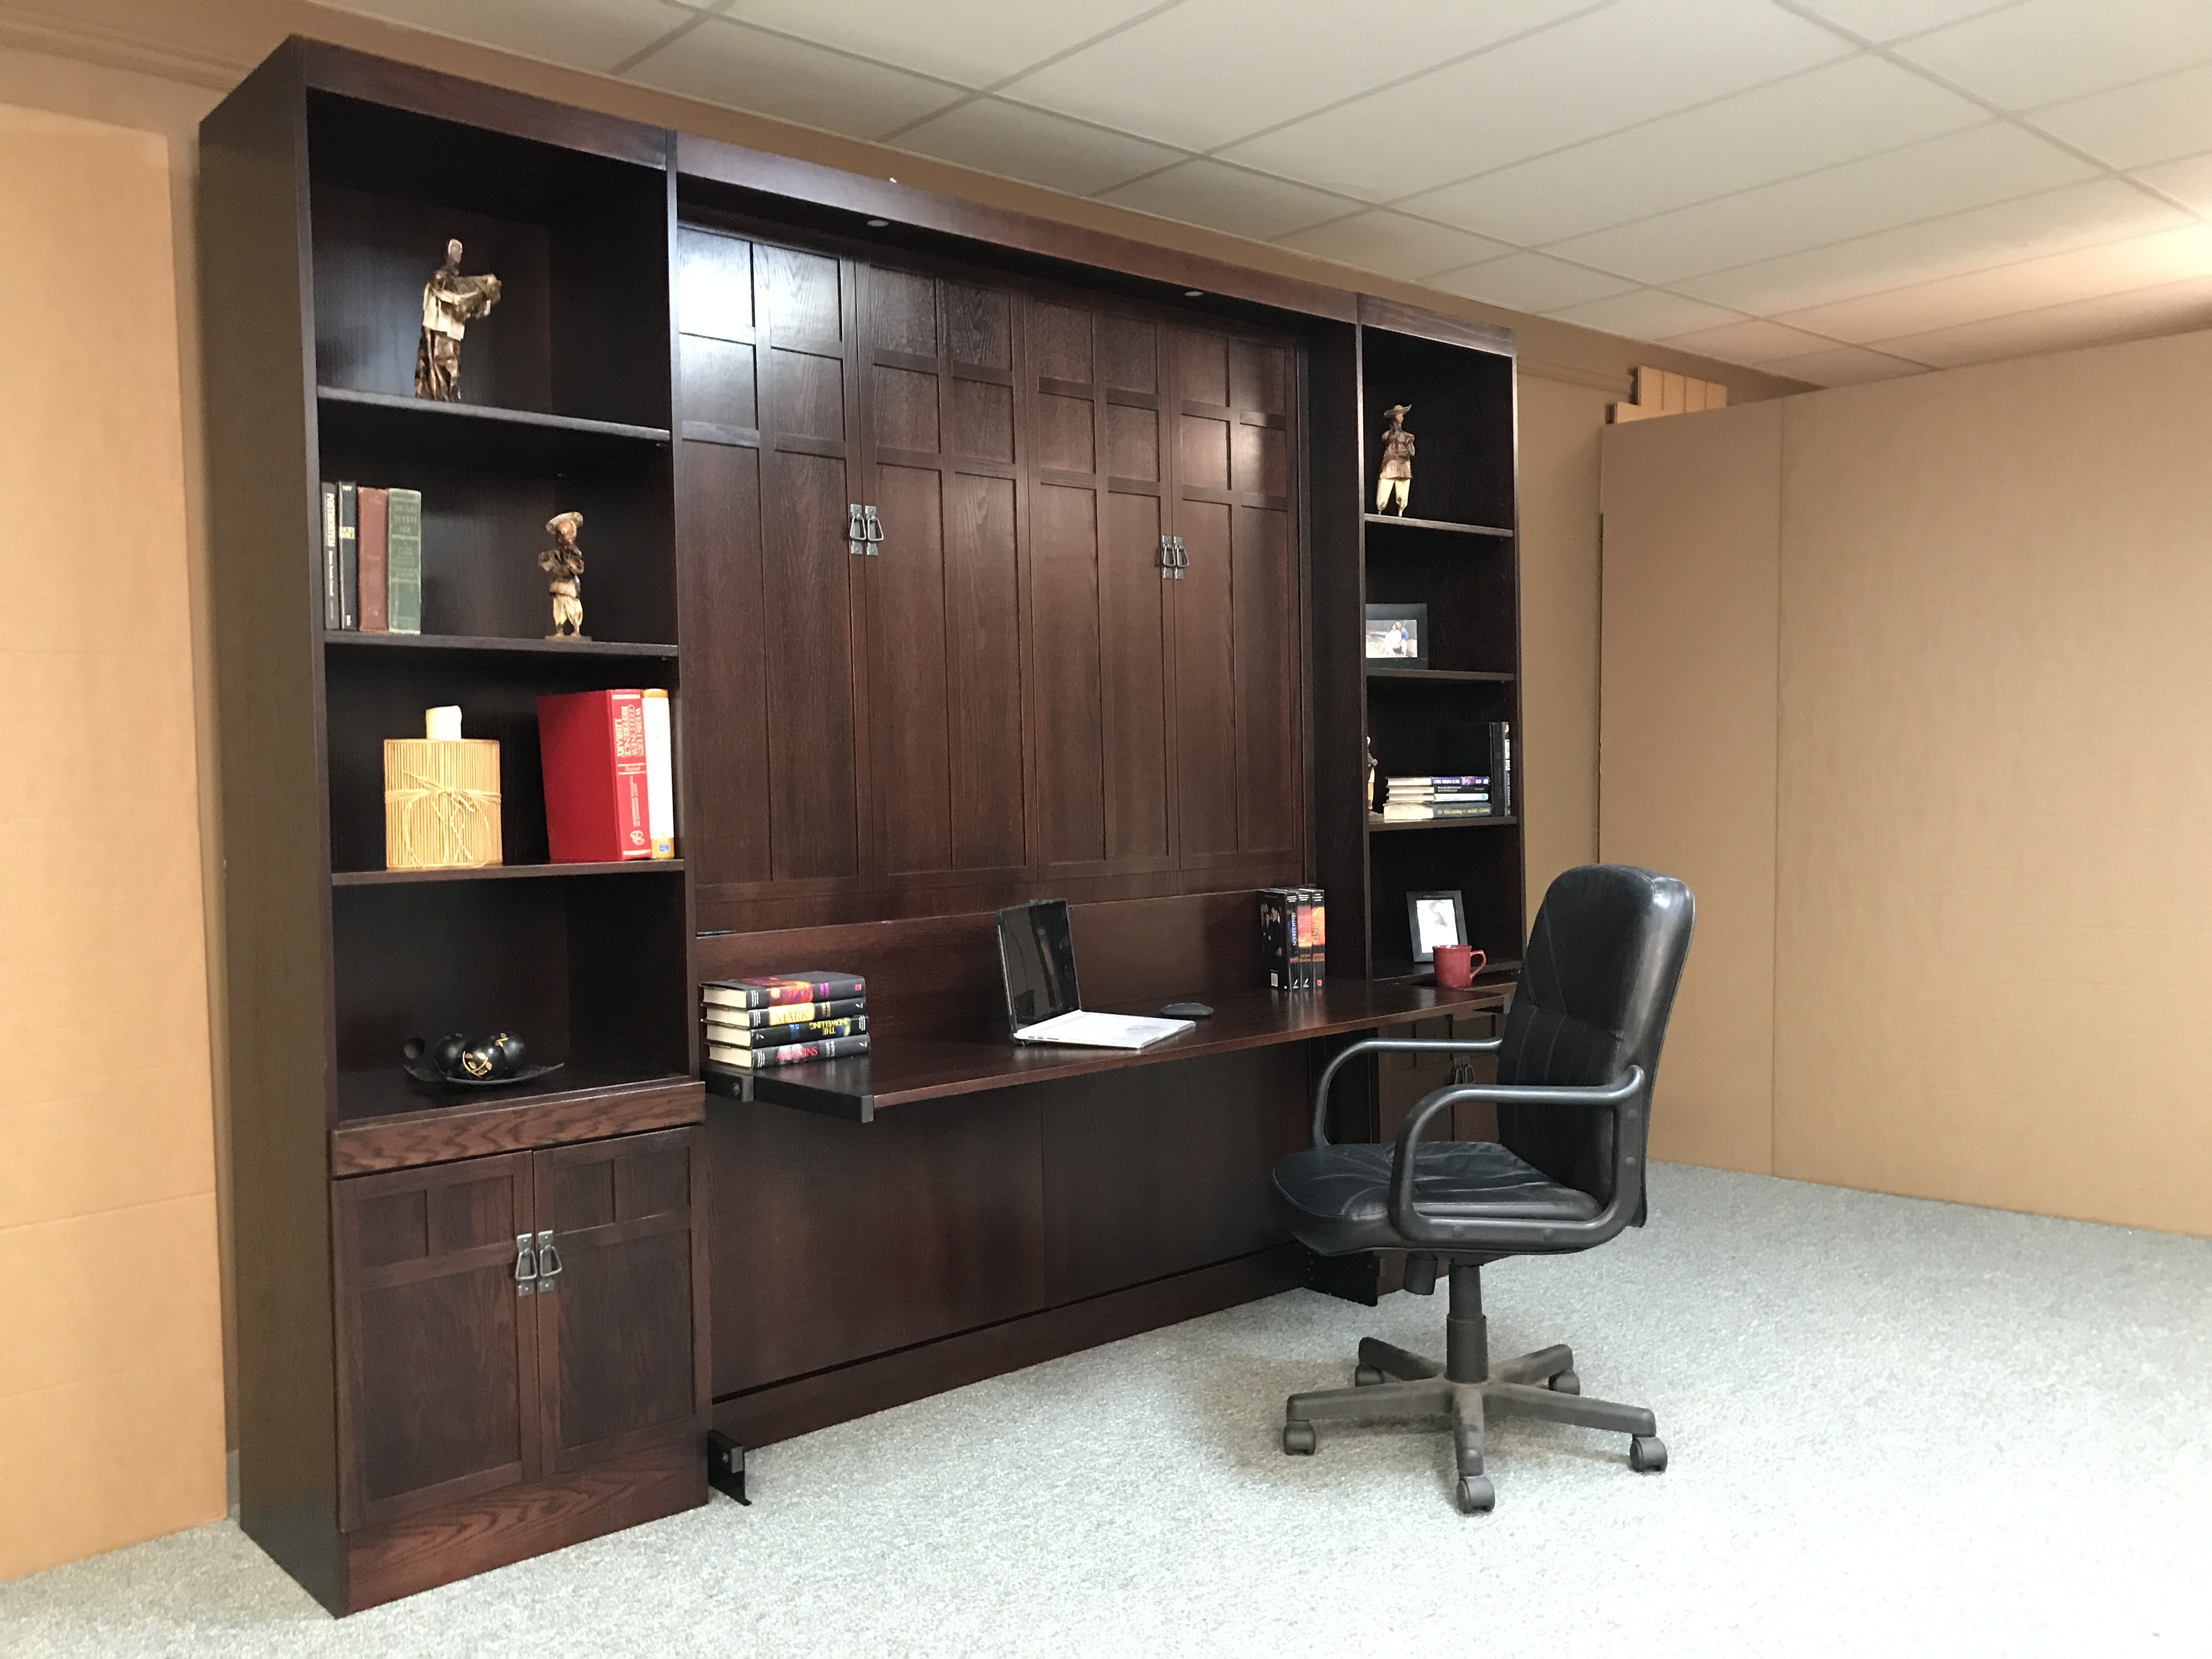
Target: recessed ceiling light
877	224
1193	294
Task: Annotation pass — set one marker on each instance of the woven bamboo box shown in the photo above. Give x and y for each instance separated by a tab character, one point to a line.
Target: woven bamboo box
440	803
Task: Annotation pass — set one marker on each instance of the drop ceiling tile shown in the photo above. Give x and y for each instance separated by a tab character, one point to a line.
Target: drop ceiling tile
2139	262
2168	308
974	42
593	34
1752	342
1228	198
1846	366
2132	127
1837	113
727	62
1646	313
1394	244
1938	176
2041	51
1208	72
1590	75
1530	282
1029	143
2188	181
1892	20
2101	210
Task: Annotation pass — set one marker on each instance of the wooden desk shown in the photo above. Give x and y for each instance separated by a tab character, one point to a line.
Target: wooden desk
903	1071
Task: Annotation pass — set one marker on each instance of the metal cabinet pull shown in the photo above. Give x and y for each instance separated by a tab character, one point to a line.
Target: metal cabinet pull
1173	560
548	1263
875	531
856	530
525	1266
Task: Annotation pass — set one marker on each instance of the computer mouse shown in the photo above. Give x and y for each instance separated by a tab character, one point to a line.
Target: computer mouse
1186	1010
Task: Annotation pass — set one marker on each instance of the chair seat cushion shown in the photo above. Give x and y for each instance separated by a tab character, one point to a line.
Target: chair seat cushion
1337	1199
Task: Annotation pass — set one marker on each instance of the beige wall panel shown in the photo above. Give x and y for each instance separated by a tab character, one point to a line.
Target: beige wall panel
1687	773
107	1225
1994	967
1559	427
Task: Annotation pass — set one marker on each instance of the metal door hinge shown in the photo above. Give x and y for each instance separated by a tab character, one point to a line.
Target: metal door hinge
525	1266
548	1264
1173	560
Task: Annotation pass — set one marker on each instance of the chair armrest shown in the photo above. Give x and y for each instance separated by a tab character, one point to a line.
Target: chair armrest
1388	1045
1625	1095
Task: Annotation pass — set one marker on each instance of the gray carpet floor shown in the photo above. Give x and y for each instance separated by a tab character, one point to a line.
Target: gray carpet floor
1896	1426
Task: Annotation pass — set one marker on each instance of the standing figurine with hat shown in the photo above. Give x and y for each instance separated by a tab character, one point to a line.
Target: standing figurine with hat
1395	481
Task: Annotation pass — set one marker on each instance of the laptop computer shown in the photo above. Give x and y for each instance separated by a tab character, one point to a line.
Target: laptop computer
1036	952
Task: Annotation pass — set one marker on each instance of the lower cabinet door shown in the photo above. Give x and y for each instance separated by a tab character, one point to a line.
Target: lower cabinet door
620	1307
437	1353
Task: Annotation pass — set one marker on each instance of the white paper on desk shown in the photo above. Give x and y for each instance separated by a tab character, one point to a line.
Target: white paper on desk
1083	1029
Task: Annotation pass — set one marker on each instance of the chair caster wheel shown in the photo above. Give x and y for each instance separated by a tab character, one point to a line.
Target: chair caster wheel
1365	1376
1476	1495
1299	1439
1566	1382
1647	1454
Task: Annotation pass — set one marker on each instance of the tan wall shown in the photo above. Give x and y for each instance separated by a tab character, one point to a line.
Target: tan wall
157	66
111	1362
1693	508
1993	910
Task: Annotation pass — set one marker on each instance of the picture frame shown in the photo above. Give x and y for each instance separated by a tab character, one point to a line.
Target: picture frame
1397	636
1434	919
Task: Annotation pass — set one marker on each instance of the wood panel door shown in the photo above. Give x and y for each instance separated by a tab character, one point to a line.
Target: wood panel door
620	1302
437	1372
942	610
1240	788
765	480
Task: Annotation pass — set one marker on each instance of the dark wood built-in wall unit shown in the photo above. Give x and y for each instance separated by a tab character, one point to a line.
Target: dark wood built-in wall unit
983	559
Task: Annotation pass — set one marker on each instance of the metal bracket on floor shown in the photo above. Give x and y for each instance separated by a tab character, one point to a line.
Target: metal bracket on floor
726	1466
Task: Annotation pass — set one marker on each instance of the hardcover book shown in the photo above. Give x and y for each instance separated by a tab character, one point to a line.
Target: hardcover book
349	558
333	596
789	1054
403	561
369	511
722	1013
769	1036
592	747
659	776
765	990
1424	812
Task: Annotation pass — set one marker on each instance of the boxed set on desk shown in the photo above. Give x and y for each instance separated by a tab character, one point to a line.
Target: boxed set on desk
1294	938
783	1019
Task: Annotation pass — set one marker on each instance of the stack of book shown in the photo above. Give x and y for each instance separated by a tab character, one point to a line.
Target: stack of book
1418	800
372	559
783	1019
1294	938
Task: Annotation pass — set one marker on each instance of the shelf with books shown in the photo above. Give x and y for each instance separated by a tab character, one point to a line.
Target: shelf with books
483	642
504	873
1376	824
1447	526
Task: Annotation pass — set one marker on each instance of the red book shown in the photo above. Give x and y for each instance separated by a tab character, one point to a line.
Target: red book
592	744
370	547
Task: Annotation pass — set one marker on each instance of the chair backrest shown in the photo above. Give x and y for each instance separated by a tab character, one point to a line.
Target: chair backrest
1596	989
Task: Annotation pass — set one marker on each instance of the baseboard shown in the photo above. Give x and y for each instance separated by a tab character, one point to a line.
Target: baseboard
782	1410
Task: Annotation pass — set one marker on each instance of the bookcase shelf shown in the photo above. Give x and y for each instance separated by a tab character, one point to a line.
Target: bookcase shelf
1442	676
490	642
384	1092
385	424
1446	525
504	873
1509	821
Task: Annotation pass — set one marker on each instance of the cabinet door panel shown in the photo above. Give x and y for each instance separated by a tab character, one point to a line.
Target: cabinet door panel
1133	646
1264	614
622	1353
909	649
437	1373
1205	682
809	650
1067	812
984	607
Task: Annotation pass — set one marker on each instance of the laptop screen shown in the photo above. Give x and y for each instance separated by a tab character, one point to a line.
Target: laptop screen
1038	955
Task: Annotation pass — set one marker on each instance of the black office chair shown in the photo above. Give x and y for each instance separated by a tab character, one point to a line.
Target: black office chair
1574	1096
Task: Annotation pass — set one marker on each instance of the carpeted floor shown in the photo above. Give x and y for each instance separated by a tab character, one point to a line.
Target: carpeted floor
1896	1427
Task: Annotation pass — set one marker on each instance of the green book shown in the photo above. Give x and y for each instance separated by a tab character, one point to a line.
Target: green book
403	564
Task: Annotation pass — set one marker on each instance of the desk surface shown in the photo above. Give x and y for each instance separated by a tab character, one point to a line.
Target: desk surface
901	1071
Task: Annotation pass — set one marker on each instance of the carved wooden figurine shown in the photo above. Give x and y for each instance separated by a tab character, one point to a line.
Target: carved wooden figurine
1395	481
450	301
565	561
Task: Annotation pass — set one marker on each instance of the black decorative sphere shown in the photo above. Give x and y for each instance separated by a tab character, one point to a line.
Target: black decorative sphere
511	1052
480	1060
446	1053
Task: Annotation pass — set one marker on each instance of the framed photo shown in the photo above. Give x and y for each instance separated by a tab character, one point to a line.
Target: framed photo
1434	919
1398	636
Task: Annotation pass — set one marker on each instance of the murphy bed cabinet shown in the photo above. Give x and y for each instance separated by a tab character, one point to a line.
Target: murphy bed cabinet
982	559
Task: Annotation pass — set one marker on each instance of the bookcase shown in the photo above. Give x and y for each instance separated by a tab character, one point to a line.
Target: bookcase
419	1397
1456	553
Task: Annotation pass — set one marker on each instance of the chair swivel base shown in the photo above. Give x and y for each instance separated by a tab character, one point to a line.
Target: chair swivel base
1542	1384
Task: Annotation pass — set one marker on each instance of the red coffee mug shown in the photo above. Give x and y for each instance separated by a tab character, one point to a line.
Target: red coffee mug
1458	965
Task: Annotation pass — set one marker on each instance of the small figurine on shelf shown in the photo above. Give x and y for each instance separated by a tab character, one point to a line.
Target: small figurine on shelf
450	302
1395	481
565	561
